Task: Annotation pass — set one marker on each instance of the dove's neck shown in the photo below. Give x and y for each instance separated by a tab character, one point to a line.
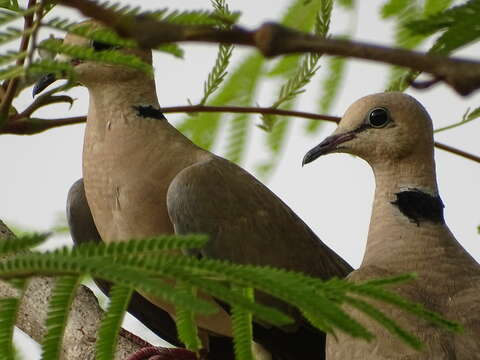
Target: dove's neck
407	215
116	101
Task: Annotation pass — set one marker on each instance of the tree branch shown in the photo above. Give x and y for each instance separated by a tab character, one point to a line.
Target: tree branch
13	83
273	39
32	126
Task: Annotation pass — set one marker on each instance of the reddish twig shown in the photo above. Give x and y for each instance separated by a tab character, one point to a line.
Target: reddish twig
34	126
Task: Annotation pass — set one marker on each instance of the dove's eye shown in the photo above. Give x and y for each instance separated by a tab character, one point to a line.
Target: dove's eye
378	118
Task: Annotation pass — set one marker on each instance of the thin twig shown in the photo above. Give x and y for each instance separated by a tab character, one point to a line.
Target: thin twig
35	28
13	83
34	126
456	151
273	39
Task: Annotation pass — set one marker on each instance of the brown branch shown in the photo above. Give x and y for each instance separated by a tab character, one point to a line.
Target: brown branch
273	39
249	110
34	126
456	151
13	83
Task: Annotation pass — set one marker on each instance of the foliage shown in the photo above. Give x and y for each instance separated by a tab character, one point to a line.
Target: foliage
144	264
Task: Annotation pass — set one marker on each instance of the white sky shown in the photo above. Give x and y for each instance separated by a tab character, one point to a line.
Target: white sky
38	170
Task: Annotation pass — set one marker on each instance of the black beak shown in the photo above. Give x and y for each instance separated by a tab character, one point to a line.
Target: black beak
327	146
43	83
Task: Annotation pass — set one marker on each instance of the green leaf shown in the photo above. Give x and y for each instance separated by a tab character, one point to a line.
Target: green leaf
450	17
60	263
9	4
10	34
242	327
238	130
58	308
148	246
11	56
9	16
203	129
185	321
347	4
432	7
383	320
301	16
218	73
467	117
330	89
8	315
107	56
23	242
112	322
394	8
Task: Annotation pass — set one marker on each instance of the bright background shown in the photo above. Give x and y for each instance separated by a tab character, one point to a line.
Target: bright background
333	195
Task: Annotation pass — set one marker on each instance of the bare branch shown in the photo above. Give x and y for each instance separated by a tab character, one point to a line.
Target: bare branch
32	126
273	39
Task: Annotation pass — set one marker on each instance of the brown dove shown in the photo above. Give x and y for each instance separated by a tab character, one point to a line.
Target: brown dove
393	133
144	178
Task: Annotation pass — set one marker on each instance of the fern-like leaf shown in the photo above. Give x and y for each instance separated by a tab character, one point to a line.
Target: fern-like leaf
444	19
9	16
218	73
330	88
8	316
185	321
10	34
237	136
401	78
301	16
57	315
12	72
11	56
383	320
48	263
10	4
23	242
394	8
466	118
148	246
107	56
112	322
294	86
432	7
242	328
204	128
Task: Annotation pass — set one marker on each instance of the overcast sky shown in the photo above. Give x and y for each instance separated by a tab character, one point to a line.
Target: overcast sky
333	195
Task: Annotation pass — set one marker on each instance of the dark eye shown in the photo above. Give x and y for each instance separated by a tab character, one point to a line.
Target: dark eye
378	118
101	46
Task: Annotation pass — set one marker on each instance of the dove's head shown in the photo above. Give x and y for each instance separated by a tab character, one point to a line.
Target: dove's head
91	73
380	127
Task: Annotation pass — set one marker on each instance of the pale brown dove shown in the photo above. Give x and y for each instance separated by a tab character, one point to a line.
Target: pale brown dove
393	133
144	178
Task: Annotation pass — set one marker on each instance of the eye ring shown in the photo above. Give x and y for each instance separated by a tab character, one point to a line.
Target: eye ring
378	117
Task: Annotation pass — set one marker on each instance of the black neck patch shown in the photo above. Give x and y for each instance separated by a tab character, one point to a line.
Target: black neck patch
419	206
149	112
